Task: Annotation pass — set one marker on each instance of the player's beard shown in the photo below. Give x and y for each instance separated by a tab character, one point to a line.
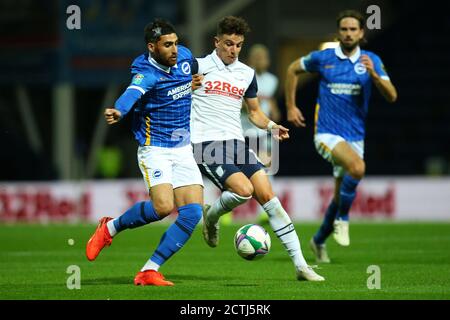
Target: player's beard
164	61
349	46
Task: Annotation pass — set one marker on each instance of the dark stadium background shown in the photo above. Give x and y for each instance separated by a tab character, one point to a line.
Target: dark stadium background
62	168
38	53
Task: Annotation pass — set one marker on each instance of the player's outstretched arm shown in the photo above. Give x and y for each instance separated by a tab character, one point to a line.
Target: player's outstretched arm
385	87
112	115
259	119
123	105
294	115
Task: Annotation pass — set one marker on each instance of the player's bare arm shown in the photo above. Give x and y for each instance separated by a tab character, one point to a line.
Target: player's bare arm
259	119
294	115
112	115
385	87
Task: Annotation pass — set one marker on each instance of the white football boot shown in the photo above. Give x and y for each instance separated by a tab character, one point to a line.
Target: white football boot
308	274
340	233
210	230
320	251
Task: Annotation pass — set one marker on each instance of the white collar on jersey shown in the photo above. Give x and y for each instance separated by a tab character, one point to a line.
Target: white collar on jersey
219	62
160	66
355	57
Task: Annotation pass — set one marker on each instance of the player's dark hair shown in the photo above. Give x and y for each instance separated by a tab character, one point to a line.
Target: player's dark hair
159	27
351	14
232	25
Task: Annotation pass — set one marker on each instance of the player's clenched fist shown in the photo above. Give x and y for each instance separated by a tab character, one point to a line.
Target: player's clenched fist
368	63
112	115
197	81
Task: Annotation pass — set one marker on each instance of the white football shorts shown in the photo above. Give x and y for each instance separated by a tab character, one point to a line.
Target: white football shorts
325	143
175	166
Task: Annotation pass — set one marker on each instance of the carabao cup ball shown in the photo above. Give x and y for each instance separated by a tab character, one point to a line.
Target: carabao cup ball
252	242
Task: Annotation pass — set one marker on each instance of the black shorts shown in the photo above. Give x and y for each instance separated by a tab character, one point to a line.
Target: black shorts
220	159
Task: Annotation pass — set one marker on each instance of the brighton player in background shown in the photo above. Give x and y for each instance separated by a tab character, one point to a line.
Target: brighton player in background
259	60
346	77
160	92
219	144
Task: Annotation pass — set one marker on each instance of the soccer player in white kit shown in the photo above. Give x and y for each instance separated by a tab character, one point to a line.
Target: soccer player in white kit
219	145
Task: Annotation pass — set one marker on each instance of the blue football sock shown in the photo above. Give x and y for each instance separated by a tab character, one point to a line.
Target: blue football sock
178	233
138	215
327	225
346	196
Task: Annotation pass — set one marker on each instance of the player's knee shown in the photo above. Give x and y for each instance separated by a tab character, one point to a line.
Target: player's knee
244	190
357	169
265	196
163	208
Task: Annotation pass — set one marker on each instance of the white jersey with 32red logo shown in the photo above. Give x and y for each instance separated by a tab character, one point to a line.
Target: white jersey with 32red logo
216	105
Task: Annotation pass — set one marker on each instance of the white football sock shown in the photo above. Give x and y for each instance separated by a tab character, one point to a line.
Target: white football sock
284	229
225	203
150	265
111	228
262	212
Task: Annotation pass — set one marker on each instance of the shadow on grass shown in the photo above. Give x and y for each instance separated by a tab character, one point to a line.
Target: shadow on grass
107	281
312	261
129	280
197	277
241	285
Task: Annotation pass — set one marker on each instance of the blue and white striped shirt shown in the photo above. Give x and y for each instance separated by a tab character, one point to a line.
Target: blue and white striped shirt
161	97
344	91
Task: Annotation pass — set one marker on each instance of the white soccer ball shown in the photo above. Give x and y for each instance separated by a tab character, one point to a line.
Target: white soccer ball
252	242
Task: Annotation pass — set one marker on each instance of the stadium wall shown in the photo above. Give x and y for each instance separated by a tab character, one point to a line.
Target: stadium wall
383	198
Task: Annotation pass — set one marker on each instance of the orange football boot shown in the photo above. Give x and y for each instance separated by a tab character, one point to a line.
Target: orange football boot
99	239
151	278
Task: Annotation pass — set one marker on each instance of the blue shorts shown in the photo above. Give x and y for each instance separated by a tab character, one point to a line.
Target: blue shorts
220	159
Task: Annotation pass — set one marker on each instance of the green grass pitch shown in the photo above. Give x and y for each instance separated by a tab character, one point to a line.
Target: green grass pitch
414	262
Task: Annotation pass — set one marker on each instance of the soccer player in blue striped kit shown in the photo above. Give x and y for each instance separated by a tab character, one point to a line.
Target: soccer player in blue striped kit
160	94
346	77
